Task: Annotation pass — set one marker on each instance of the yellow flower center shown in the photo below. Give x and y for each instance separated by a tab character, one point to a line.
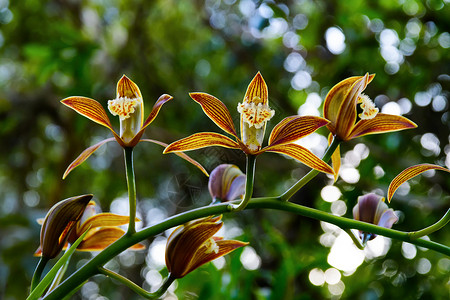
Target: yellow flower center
123	106
255	114
211	246
368	107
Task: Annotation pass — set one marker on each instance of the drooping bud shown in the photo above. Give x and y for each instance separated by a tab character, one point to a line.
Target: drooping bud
193	244
372	209
226	183
60	220
129	106
255	112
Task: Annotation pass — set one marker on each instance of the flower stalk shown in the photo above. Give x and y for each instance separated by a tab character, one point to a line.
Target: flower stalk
250	173
131	184
430	229
134	287
38	272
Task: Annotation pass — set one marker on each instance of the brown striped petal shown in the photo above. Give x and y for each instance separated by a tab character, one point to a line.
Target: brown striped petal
185	241
89	108
409	173
276	130
59	222
340	104
380	124
202	257
104	237
216	111
180	154
301	154
257	88
84	155
201	140
295	128
127	88
103	219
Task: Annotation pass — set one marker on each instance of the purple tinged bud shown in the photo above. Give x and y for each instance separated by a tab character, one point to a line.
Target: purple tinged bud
226	183
372	209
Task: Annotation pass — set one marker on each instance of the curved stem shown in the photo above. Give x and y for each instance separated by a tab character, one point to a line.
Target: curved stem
131	184
430	229
137	289
38	272
250	178
355	240
311	174
91	268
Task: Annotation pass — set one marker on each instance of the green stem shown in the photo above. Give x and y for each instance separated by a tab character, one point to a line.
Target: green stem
250	175
137	289
91	268
131	184
38	272
430	229
311	174
355	240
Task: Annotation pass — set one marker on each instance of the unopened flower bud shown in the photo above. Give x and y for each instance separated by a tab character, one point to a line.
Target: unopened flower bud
226	183
372	209
194	244
59	222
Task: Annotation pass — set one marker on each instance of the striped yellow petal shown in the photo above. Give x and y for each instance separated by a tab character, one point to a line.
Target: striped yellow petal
127	88
409	173
202	256
89	108
301	154
380	124
85	155
216	111
103	219
295	128
257	88
104	237
201	140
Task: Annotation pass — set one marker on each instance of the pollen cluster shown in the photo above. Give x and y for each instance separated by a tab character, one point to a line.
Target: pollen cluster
123	106
255	114
368	107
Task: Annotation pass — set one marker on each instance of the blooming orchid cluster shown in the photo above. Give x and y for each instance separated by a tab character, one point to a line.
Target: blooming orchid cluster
76	223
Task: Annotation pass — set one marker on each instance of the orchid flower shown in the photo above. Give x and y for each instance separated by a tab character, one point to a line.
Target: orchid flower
340	108
255	113
372	209
194	244
129	107
103	230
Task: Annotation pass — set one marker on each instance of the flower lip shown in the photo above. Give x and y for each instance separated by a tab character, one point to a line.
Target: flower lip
123	107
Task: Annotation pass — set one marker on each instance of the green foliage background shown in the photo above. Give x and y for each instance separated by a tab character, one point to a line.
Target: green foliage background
53	49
